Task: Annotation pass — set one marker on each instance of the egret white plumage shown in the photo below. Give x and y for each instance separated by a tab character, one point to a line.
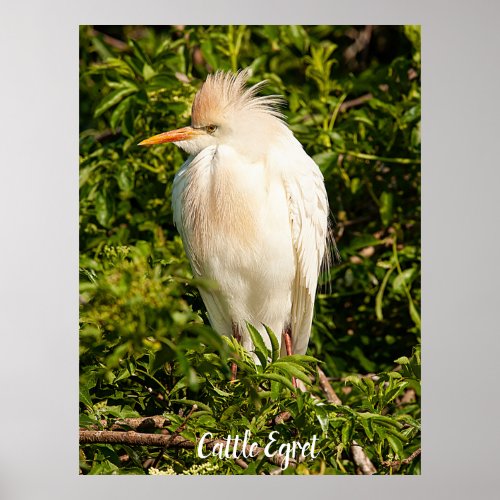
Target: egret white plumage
252	211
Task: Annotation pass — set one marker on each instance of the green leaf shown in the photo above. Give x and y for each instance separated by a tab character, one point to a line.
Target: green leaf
369	383
161	81
403	280
347	430
112	99
403	360
103	207
292	370
275	390
138	52
120	111
125	177
414	314
275	353
303	359
326	160
396	444
363	241
367	424
258	342
148	72
380	430
277	378
394	393
322	416
380	295
299	37
207	50
354	380
386	202
85	397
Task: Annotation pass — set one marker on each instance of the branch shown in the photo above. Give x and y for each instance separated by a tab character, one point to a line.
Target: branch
114	42
362	461
282	417
405	461
133	438
327	389
355	102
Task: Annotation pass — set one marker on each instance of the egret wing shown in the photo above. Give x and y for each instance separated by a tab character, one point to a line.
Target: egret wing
308	209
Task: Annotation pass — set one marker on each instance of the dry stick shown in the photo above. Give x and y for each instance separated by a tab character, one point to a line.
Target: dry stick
355	102
166	440
114	42
282	417
241	463
405	461
326	387
174	435
362	461
359	457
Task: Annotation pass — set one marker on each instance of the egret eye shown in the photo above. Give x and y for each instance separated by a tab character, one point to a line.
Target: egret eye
211	128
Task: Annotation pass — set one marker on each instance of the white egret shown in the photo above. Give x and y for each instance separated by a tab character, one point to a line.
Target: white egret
252	211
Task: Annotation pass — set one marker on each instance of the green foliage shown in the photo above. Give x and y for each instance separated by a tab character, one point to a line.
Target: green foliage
145	344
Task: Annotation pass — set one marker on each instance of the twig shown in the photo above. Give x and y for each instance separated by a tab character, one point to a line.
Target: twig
107	133
241	463
282	417
361	460
361	42
405	461
355	102
327	389
114	42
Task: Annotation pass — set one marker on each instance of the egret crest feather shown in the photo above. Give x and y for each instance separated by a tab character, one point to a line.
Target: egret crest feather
224	94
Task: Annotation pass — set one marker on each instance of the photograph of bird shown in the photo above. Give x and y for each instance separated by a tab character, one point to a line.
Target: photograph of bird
252	210
216	162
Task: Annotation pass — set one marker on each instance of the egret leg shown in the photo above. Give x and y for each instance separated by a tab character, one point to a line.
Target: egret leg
287	336
234	366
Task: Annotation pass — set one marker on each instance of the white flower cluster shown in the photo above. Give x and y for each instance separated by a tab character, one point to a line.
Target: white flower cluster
197	469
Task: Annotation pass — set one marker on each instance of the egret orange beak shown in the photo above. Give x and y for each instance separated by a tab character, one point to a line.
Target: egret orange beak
181	134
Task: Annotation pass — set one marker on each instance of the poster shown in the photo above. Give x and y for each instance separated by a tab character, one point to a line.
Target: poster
298	203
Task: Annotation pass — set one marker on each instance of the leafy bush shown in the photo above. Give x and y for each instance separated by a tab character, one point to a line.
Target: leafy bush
146	347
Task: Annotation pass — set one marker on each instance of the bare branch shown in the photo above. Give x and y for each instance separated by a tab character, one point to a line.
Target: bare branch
361	460
355	102
405	461
327	388
133	438
282	417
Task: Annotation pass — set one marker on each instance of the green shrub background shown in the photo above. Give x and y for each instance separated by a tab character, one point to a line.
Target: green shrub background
145	344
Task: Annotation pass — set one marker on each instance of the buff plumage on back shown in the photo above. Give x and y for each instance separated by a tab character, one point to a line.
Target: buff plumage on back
224	94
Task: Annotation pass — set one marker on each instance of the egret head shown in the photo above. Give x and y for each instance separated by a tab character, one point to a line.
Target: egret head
227	112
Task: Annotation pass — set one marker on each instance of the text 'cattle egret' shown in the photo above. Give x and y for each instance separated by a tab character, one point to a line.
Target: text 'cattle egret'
252	211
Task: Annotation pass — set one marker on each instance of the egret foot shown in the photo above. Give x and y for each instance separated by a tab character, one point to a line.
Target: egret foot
287	335
234	366
234	369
